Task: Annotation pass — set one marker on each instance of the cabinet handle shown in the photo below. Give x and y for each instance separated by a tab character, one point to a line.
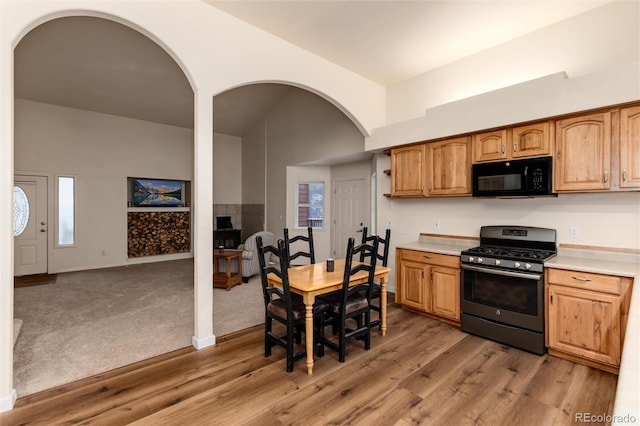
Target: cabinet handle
624	175
585	280
503	149
515	148
606	176
431	276
427	257
551	298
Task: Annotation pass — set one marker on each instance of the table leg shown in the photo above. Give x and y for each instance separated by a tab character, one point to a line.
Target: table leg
228	273
308	324
383	305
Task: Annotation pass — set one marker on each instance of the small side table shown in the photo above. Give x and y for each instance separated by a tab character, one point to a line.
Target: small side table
227	279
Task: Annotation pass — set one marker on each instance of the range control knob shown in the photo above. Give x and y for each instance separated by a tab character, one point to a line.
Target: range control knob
480	260
498	262
527	266
471	258
516	264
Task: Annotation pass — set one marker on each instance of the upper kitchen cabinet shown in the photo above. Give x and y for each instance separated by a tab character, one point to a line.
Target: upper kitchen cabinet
449	167
630	147
408	171
582	160
490	146
532	140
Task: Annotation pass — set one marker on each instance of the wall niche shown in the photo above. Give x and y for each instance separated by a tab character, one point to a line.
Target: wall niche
158	217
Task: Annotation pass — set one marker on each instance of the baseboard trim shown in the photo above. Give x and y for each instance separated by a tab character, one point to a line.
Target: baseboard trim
203	343
7	402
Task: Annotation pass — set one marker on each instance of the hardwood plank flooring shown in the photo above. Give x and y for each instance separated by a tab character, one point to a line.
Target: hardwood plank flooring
422	372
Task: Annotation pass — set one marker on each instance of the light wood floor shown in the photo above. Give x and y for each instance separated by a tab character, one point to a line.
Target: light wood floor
422	372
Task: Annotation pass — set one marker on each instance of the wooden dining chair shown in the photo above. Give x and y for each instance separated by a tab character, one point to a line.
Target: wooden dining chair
383	256
309	253
350	304
282	306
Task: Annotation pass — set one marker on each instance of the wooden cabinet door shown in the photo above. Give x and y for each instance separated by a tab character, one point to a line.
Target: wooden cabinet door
449	167
413	285
445	292
490	146
630	147
531	141
585	323
407	171
583	153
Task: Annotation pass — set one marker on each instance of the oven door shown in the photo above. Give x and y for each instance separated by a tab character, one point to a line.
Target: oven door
508	297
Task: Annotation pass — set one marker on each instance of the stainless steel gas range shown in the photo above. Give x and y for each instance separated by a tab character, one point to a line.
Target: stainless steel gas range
502	285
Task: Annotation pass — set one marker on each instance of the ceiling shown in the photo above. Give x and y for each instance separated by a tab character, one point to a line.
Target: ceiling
390	41
99	65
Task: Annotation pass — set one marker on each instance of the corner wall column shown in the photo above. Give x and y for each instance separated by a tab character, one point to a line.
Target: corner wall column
7	393
202	209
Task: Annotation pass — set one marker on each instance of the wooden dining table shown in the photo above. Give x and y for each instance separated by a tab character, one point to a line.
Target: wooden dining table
312	280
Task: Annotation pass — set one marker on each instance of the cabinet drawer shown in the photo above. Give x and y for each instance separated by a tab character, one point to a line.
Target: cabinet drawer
431	258
585	280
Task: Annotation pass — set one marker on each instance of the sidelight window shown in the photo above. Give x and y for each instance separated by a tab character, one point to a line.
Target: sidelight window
66	210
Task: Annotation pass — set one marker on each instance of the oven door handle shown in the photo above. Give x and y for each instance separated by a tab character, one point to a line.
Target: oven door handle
526	276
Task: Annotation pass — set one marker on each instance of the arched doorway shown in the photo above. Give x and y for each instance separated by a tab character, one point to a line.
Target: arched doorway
288	134
99	102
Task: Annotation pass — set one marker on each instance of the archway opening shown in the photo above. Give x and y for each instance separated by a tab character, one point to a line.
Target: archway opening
101	103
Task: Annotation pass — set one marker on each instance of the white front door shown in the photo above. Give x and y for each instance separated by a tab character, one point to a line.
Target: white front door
350	213
30	217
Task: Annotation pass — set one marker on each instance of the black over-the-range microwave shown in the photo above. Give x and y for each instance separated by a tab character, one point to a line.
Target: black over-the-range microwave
528	177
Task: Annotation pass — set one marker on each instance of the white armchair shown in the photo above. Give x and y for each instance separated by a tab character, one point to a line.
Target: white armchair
250	263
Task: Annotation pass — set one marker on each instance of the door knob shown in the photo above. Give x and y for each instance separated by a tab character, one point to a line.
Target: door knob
43	223
43	230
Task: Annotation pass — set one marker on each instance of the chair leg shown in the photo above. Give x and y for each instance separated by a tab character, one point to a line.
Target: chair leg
367	335
267	341
290	337
342	351
318	336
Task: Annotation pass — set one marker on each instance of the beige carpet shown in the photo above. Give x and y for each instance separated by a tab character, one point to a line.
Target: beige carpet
93	321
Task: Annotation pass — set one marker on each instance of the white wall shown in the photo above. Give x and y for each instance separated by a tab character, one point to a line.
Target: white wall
227	169
254	179
601	39
101	151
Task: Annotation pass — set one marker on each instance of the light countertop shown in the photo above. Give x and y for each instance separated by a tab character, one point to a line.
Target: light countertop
442	245
598	262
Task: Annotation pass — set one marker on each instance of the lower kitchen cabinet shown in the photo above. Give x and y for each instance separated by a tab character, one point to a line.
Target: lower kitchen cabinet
587	316
429	283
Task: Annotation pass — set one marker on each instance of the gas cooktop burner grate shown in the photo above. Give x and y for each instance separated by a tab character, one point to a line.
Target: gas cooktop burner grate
510	252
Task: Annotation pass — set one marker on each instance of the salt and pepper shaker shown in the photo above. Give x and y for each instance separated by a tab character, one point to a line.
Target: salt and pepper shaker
220	249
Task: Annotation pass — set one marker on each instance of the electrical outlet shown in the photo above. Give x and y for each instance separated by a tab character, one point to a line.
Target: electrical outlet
389	224
436	224
573	232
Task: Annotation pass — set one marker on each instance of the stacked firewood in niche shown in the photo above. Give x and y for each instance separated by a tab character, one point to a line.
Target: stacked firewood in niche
153	233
